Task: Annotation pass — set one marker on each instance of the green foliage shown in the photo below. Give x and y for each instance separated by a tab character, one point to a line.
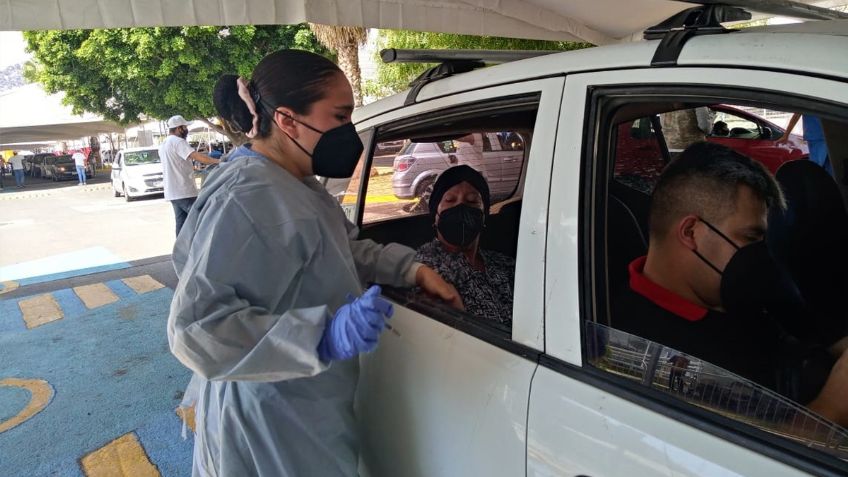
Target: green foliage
393	78
129	73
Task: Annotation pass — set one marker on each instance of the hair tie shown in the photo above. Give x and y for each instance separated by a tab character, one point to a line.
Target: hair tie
244	94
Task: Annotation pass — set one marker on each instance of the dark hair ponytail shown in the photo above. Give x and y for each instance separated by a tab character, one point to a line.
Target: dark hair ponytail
229	105
294	79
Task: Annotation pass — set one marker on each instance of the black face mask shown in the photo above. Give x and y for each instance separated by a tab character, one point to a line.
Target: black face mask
461	224
752	282
337	151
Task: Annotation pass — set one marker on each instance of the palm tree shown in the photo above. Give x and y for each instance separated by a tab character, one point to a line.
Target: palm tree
345	41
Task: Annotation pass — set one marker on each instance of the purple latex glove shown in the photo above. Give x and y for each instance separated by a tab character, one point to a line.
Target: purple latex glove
356	327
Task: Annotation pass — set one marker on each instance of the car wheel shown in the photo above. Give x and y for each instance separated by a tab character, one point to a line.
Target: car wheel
126	196
423	185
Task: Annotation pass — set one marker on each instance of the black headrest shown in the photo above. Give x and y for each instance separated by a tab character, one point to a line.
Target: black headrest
810	239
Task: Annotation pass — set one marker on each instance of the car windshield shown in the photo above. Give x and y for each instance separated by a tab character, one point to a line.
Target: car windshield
407	148
141	157
64	160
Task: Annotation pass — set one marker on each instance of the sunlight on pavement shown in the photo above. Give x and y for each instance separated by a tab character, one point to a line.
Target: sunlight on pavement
91	259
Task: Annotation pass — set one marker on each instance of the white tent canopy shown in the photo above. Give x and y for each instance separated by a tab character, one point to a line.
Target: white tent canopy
595	21
28	115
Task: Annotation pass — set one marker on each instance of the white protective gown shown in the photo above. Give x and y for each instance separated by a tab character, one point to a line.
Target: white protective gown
264	260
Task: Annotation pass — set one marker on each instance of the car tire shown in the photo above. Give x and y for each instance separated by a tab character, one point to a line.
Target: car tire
422	186
126	195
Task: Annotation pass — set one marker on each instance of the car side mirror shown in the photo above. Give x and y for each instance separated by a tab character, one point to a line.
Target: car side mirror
768	133
452	159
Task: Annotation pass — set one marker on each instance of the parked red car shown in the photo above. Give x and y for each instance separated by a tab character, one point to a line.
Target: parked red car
639	150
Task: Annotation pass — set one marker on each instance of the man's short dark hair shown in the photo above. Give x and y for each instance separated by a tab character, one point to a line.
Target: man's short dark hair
704	180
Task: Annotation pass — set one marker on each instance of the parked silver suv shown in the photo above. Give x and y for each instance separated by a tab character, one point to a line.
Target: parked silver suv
497	155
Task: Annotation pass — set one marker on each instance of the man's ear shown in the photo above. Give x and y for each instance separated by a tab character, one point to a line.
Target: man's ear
685	231
284	119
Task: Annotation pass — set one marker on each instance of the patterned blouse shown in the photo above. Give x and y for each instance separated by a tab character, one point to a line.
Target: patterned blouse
486	294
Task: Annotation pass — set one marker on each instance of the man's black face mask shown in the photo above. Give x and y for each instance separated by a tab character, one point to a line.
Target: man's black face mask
751	282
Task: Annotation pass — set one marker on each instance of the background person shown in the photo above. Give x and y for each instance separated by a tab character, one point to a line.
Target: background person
80	162
814	135
708	214
178	172
268	264
459	206
17	162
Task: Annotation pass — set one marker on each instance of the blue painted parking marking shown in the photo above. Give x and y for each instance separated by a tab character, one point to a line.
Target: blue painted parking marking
121	289
112	373
11	318
70	303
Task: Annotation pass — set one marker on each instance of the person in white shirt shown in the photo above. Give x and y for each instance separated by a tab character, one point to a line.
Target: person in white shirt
79	161
17	168
178	172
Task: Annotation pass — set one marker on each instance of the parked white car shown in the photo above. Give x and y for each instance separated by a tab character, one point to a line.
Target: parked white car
562	392
137	172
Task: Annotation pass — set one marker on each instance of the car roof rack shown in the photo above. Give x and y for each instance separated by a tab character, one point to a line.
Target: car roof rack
707	19
451	62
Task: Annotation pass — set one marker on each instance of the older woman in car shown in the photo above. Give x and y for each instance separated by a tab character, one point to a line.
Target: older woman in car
459	206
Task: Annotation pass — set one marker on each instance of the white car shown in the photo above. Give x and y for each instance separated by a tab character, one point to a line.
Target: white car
137	172
562	392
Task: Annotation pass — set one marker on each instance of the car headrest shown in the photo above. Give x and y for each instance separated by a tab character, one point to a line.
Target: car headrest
810	239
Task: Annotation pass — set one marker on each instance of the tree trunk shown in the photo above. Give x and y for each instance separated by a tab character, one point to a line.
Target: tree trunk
348	55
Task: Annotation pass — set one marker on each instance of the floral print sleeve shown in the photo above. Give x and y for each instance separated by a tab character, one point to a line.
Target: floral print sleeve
487	293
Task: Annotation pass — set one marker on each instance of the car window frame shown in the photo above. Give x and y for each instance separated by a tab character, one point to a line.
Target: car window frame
527	338
594	303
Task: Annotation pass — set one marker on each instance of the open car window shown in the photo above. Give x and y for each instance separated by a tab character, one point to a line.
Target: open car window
643	135
403	163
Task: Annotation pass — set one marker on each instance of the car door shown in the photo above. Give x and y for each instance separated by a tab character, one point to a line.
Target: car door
587	417
445	393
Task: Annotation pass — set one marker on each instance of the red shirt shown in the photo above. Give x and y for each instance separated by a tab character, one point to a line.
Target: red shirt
660	296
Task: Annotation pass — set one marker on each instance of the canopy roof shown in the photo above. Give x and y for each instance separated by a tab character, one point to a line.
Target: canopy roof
29	115
595	21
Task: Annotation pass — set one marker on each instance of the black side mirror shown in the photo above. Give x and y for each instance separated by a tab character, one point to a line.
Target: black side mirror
768	133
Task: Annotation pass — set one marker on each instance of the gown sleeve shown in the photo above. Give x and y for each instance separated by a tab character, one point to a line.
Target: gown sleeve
385	264
232	275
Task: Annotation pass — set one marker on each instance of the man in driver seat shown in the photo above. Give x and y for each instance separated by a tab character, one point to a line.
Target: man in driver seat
709	214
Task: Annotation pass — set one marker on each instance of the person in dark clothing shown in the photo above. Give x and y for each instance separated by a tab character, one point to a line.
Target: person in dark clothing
708	220
459	207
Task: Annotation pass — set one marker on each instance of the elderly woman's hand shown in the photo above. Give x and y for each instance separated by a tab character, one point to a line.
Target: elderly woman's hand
433	284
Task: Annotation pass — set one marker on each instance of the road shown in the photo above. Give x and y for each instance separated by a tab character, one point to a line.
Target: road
48	219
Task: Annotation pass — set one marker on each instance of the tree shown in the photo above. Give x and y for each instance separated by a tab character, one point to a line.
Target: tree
130	74
345	42
393	78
